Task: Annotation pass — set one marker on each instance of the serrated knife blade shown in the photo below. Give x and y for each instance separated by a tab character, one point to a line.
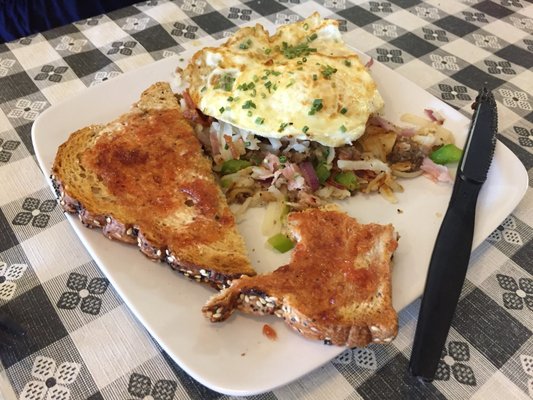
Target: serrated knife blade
451	253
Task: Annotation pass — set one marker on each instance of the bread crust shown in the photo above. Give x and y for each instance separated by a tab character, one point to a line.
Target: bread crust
143	179
336	288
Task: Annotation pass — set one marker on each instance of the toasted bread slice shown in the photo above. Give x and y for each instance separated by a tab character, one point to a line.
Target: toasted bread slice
336	288
144	179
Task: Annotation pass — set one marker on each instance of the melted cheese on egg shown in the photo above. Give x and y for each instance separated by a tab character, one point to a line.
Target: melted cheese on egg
303	82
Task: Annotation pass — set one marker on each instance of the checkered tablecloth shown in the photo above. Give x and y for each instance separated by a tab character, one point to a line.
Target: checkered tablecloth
84	343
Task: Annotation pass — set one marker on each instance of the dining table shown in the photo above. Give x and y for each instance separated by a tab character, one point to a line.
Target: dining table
81	338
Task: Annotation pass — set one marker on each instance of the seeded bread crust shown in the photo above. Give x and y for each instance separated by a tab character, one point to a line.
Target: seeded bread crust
336	288
185	221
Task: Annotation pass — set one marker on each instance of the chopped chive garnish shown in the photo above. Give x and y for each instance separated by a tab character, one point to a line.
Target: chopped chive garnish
306	26
344	110
221	109
315	77
230	98
304	59
316	106
259	121
305	129
327	71
298	50
249	113
342	128
203	89
348	63
246	86
312	37
282	126
256	78
245	45
248	104
282	159
268	51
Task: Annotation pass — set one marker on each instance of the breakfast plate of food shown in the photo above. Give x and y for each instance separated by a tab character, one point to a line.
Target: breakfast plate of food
283	175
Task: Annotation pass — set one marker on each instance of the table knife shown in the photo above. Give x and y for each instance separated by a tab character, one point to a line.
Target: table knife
451	252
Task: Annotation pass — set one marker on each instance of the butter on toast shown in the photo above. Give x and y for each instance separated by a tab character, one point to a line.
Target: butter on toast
336	287
144	179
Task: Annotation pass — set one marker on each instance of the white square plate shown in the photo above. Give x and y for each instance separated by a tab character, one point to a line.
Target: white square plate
234	357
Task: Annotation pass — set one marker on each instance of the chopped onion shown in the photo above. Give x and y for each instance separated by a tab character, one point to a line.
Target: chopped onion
434	116
272	219
371	165
275	143
436	172
385	124
407	132
309	174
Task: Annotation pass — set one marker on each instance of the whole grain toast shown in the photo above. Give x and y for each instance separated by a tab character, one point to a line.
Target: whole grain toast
144	179
336	287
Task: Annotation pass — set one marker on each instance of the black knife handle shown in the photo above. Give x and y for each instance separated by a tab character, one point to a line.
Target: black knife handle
446	274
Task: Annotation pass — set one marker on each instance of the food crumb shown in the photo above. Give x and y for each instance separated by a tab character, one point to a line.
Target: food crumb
269	332
399	210
438	214
243	354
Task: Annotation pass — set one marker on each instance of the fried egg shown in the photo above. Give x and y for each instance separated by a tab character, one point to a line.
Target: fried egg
303	82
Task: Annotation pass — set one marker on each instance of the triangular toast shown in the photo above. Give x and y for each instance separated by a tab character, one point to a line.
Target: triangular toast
336	287
144	179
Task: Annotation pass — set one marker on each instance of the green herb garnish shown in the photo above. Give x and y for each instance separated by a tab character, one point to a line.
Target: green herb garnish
248	104
245	45
298	50
327	71
316	106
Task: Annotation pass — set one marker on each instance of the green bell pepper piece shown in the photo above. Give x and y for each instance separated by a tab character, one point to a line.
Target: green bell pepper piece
280	242
232	166
446	154
322	172
348	179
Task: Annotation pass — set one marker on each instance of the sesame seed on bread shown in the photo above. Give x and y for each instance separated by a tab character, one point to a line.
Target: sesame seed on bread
144	179
336	287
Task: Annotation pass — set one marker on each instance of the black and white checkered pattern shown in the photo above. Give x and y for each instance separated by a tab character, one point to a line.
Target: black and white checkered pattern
82	340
